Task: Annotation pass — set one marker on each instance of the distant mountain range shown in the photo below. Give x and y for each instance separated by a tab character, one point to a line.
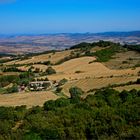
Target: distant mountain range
25	43
120	34
107	34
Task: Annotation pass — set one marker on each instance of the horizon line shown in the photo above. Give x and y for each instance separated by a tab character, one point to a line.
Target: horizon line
53	33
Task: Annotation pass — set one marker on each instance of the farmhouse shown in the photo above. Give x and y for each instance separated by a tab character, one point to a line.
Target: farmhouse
40	85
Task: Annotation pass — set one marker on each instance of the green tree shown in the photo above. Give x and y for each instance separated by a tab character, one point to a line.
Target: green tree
50	71
75	92
49	105
13	89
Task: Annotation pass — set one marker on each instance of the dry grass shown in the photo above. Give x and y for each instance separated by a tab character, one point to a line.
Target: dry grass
98	48
124	60
96	83
5	58
8	73
29	99
35	66
68	70
128	88
42	58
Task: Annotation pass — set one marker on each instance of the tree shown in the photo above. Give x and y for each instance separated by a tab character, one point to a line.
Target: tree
75	92
49	105
25	82
59	89
62	82
62	102
13	89
37	70
138	81
47	63
50	71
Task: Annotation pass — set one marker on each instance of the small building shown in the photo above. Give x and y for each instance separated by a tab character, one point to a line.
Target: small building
40	85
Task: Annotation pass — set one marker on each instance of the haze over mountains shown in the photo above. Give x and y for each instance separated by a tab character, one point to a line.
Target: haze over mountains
27	43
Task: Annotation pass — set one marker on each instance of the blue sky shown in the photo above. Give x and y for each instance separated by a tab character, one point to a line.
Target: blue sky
55	16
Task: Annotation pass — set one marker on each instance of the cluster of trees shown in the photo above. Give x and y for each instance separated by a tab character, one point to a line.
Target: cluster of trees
7	79
22	79
132	47
100	43
49	71
108	114
106	54
11	69
103	55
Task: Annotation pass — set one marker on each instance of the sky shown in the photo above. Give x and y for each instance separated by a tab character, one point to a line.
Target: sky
68	16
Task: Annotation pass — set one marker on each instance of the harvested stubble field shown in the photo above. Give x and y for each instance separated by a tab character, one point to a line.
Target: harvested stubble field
68	70
53	57
128	88
96	83
35	66
124	60
29	99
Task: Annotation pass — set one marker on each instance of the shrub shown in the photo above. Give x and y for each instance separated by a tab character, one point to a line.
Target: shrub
50	71
47	63
37	70
13	89
59	89
62	82
138	81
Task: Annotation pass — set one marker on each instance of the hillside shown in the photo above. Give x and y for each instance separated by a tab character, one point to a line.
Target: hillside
89	66
90	91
